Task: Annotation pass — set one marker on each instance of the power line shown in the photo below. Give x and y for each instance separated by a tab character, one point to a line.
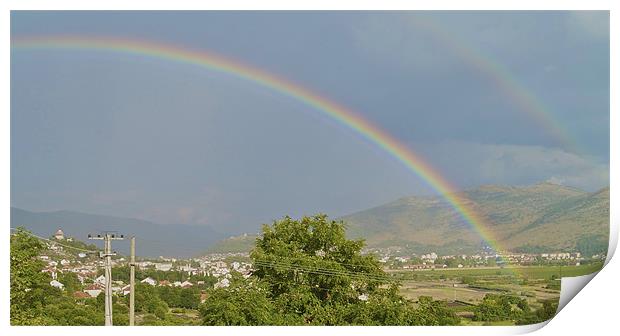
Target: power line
324	271
309	286
279	264
55	242
347	264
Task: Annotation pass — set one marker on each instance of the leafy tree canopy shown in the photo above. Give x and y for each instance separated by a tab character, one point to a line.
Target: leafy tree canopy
308	272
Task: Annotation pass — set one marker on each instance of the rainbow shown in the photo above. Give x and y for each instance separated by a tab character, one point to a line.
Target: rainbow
501	78
339	113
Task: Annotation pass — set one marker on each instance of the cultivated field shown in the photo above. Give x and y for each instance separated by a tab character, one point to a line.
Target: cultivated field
465	287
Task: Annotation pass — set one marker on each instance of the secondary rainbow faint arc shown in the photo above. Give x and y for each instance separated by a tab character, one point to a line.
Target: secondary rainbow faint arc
503	80
346	117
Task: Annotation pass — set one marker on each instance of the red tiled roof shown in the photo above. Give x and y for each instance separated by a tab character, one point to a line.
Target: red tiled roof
93	287
81	295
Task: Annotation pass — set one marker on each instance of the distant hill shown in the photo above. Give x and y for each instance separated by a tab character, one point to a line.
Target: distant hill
541	217
236	244
152	239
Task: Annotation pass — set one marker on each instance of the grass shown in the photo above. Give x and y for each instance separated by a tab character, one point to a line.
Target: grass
529	272
445	293
531	283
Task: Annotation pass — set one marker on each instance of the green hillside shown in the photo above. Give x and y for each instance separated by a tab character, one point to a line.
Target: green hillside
236	244
547	216
541	217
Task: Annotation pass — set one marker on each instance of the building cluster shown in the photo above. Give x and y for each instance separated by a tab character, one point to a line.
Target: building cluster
166	283
58	260
222	265
432	260
216	265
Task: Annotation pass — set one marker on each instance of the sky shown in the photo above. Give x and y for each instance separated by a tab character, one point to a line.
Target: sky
133	136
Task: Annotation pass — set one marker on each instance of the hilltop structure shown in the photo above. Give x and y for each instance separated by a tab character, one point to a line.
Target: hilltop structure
59	235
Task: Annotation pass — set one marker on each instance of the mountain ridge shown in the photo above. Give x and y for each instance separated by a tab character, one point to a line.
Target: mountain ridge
545	215
152	239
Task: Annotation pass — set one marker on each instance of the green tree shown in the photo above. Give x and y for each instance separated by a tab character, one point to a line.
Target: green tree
292	253
503	307
243	303
33	300
544	313
71	282
26	279
189	298
308	272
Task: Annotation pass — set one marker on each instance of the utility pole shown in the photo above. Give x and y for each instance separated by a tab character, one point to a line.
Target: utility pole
132	282
107	254
454	287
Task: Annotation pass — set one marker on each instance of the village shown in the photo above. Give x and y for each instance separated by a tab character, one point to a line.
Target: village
486	259
61	259
215	270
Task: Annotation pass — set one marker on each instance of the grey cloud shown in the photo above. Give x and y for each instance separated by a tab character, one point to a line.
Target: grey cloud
139	137
419	40
595	23
472	164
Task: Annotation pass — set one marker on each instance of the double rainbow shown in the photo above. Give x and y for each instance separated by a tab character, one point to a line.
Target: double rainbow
339	113
503	80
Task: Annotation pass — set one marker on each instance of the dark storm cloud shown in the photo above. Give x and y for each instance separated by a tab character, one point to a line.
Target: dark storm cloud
133	136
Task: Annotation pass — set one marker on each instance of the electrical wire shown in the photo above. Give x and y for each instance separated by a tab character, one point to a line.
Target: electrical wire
277	264
323	271
55	242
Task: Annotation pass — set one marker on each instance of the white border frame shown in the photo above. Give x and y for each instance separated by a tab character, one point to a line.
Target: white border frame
576	317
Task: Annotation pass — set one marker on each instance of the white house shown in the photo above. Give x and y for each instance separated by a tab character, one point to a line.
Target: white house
51	271
149	281
431	256
126	290
163	267
189	269
57	284
82	255
186	284
93	290
65	262
144	264
100	280
222	283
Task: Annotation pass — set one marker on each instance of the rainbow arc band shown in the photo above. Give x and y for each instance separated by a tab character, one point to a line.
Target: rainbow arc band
503	80
344	116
